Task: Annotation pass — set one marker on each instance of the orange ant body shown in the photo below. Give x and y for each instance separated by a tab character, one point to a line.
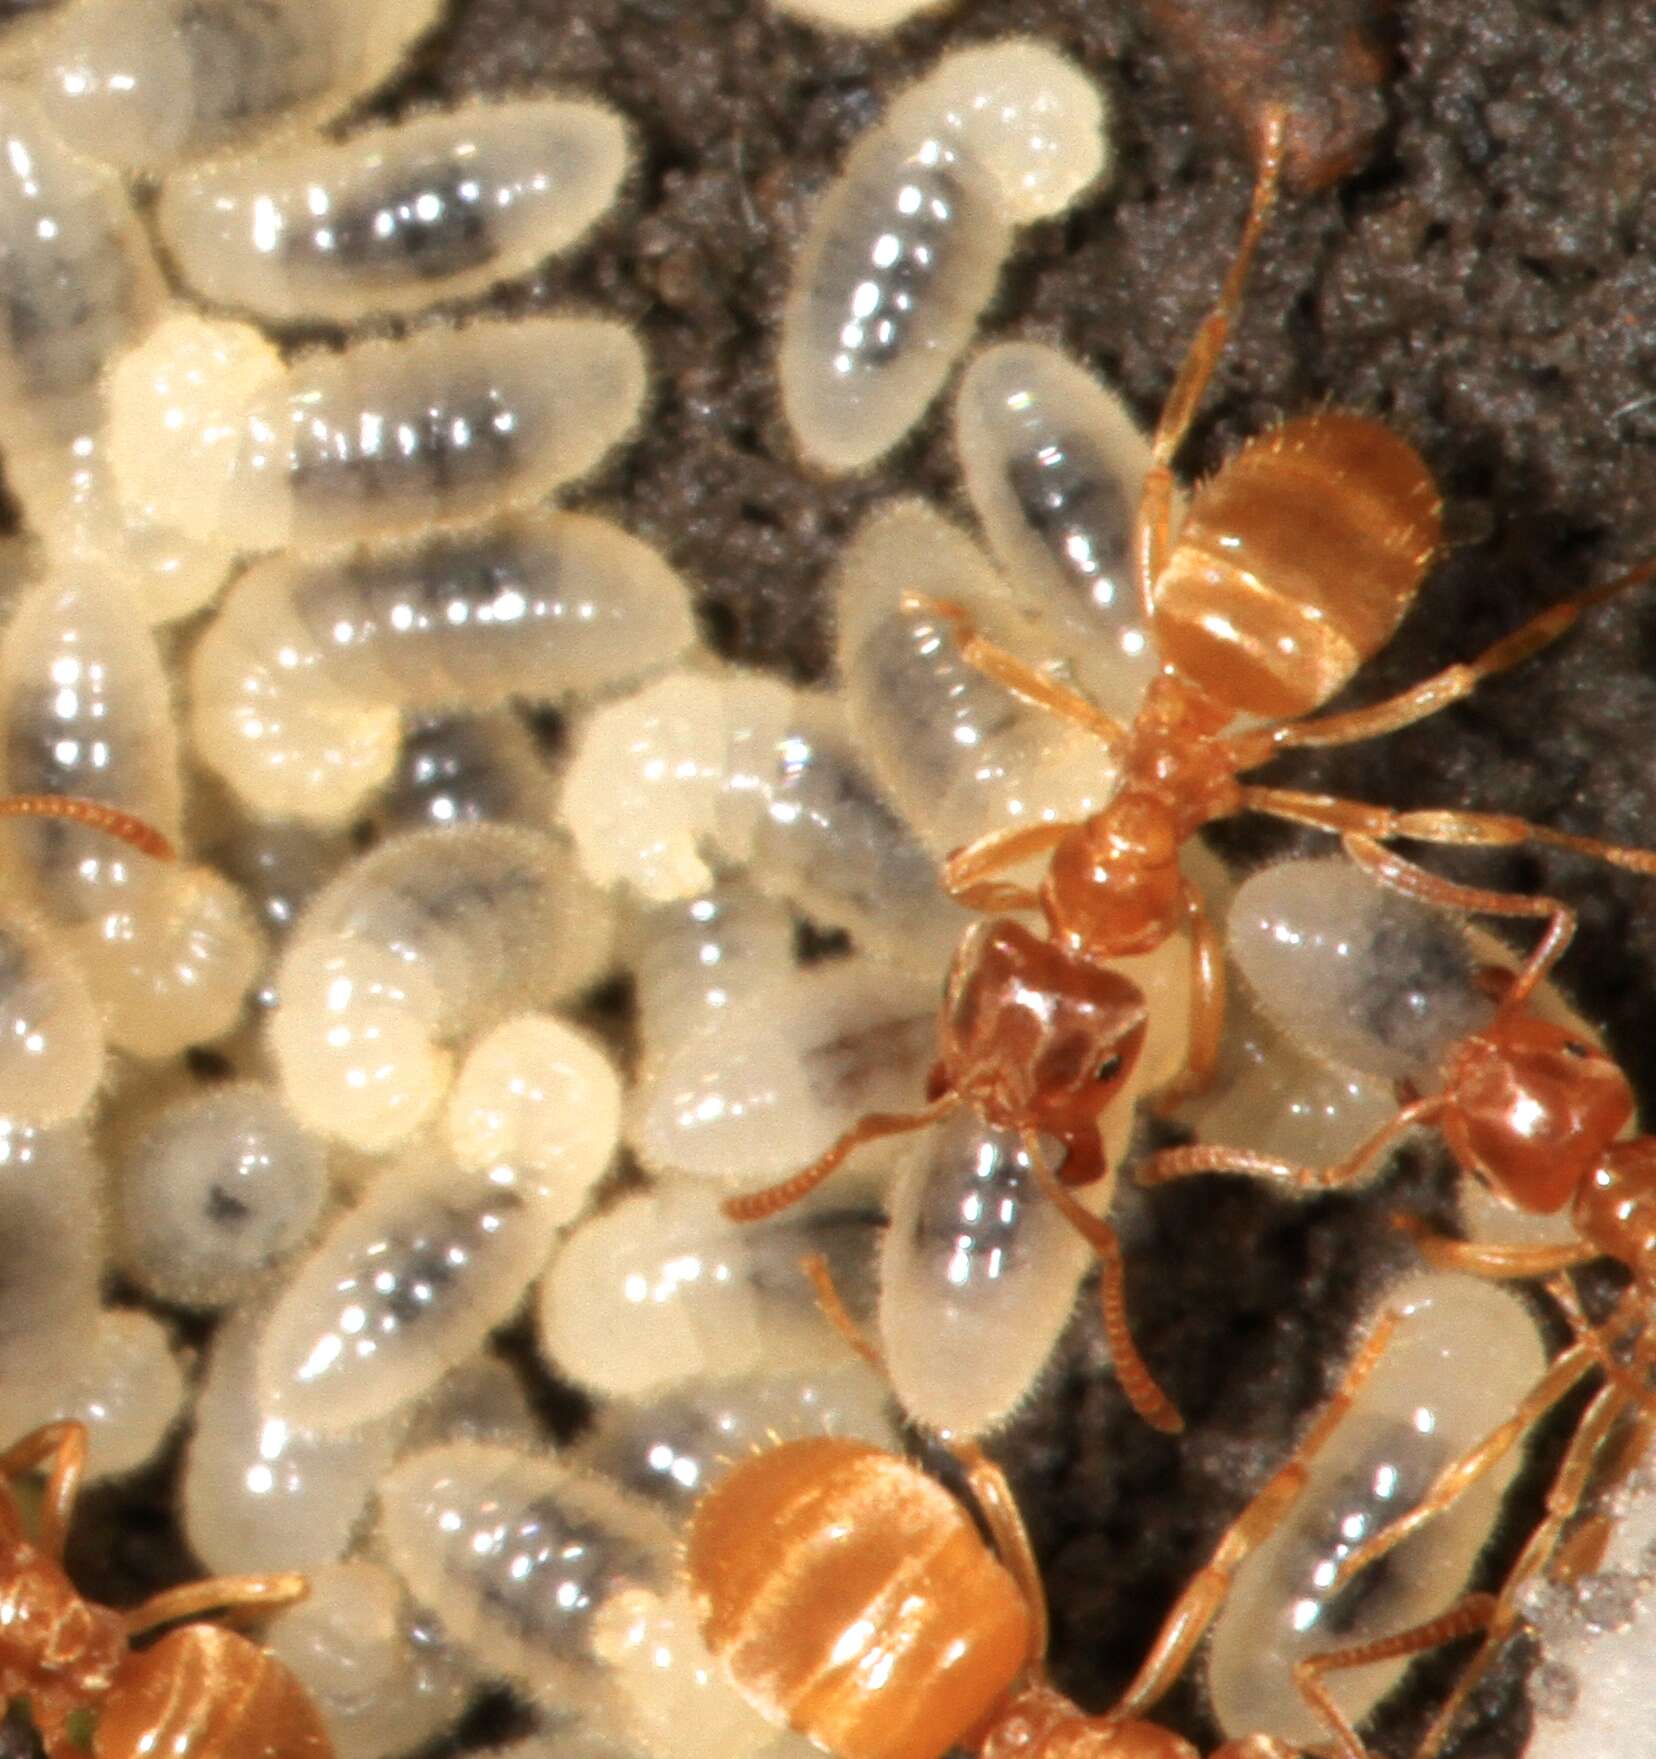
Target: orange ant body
853	1598
201	1692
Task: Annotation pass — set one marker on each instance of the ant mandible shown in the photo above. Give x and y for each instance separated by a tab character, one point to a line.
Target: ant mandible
199	1693
850	1596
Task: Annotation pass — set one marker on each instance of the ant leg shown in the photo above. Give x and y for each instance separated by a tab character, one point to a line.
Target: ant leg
1440	690
1451	825
1197	1607
987	1481
1402	875
1017	676
967	871
1207	1009
125	825
1154	516
1137	1382
1500	1263
755	1206
1473	1613
229	1594
64	1444
1202	1157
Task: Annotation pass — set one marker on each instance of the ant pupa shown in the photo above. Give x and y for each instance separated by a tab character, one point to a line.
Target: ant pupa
219	1189
169	950
299	687
397	218
852	1598
411	950
384	437
1054	464
383	1678
146	84
905	249
199	1689
553	1578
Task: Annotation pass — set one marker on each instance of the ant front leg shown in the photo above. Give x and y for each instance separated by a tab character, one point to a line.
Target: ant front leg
64	1445
968	873
221	1594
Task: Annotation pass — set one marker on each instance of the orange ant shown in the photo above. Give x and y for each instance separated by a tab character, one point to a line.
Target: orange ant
1534	1113
201	1692
853	1598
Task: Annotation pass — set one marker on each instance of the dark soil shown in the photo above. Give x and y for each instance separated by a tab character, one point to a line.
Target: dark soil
1483	277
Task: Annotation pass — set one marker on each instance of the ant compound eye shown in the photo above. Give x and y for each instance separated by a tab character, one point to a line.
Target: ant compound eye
1109	1069
1575	1049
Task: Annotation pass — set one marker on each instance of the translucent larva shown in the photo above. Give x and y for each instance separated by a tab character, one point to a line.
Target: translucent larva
51	1037
384	437
1054	463
1463	1357
403	1287
466	769
663	1288
383	1676
958	754
299	687
559	1581
907	246
220	1189
147	83
394	219
423	942
775	1079
672	1447
168	950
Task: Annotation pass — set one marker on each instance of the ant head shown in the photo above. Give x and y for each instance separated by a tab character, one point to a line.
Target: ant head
1034	1036
1533	1109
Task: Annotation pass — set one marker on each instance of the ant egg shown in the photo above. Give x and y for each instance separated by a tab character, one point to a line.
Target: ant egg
219	1190
906	247
147	83
422	942
260	1493
51	1036
401	1288
299	686
956	752
563	1583
774	1080
535	1095
385	1679
1054	463
664	1288
671	1447
385	436
394	218
1458	1365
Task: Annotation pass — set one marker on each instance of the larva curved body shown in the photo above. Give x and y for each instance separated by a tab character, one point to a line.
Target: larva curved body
299	687
148	83
51	1035
464	769
385	437
1458	1365
394	219
560	1581
906	247
414	948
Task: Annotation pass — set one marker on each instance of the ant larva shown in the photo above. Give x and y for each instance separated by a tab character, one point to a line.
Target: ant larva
200	1689
852	1598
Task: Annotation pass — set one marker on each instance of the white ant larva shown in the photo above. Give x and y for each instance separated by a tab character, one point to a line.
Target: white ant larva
562	1582
1054	463
396	218
465	769
416	946
220	1188
1462	1358
299	686
148	83
169	950
907	246
385	1679
386	436
51	1036
956	752
663	1288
